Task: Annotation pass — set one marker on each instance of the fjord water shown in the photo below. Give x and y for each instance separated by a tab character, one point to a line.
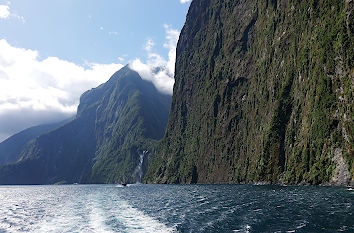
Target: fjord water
175	208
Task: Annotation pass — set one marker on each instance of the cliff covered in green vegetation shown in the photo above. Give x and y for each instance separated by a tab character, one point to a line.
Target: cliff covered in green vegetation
116	125
10	149
263	93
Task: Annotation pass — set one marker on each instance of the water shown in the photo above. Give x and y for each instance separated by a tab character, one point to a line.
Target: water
138	173
175	208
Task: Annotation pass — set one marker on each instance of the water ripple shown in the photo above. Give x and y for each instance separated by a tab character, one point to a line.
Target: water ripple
175	208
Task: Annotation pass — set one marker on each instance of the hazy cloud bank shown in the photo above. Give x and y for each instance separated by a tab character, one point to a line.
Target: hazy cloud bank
157	69
34	91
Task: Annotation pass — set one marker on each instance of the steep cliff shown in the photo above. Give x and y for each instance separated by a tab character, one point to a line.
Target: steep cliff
116	123
10	149
263	93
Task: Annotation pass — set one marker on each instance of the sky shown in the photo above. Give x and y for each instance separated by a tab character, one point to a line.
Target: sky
53	51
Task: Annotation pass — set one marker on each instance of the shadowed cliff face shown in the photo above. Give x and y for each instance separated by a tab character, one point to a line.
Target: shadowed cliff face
263	93
115	123
10	149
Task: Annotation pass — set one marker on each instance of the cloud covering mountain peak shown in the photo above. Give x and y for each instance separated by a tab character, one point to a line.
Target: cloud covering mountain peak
157	69
35	91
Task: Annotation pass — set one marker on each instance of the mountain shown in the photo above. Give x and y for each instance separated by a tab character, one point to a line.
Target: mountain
11	148
116	126
263	94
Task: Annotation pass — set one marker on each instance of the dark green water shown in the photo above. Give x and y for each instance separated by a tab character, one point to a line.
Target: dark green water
175	208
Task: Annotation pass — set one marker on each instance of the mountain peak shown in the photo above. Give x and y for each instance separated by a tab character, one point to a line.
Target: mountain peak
115	122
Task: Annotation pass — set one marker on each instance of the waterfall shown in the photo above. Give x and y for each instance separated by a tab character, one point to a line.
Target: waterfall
139	169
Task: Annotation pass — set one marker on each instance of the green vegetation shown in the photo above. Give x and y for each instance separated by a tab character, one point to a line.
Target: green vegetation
114	124
263	93
10	149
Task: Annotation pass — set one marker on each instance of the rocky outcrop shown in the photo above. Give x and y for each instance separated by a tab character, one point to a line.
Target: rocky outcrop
263	93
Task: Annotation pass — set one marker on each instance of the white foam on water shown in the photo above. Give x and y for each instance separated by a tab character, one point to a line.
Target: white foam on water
66	219
136	221
302	224
245	229
248	228
97	219
59	223
92	213
80	214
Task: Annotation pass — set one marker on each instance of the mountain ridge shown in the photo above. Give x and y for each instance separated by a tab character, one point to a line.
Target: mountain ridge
114	122
11	148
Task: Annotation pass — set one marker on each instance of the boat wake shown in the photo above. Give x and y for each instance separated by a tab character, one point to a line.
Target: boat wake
96	213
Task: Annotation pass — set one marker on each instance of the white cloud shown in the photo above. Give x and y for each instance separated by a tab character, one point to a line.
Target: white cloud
160	78
4	11
101	28
172	36
35	91
184	1
21	18
49	87
157	69
149	45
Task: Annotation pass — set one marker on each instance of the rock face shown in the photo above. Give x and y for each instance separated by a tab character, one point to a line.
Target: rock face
263	93
10	149
115	123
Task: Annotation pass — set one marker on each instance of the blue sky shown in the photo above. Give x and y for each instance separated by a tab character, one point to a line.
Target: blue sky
53	51
91	30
